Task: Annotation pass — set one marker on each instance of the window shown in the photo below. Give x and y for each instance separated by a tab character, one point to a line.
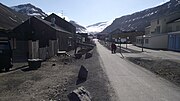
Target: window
178	43
4	46
146	41
158	21
158	30
69	42
170	29
178	28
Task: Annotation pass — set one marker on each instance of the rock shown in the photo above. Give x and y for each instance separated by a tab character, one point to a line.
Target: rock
65	89
88	55
53	64
83	73
78	56
80	94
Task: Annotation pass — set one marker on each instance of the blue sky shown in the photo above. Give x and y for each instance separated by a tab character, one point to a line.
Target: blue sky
87	12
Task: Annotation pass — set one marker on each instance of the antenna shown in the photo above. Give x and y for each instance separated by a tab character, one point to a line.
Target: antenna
62	14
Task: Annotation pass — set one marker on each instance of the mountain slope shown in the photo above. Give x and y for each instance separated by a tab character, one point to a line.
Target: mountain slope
98	27
29	9
79	28
140	20
9	18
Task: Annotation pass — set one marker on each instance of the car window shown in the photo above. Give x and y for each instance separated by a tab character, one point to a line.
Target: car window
4	46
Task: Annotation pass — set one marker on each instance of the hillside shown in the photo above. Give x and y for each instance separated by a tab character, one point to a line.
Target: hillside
9	18
98	27
139	20
79	28
30	10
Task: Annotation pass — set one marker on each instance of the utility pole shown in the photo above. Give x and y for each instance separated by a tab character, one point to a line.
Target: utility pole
120	43
127	38
142	42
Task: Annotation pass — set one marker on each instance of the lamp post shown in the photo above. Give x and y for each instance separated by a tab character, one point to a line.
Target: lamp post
120	43
142	42
127	38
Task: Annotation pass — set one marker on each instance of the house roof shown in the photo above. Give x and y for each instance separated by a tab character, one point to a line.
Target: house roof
53	14
177	32
174	20
62	23
54	27
151	35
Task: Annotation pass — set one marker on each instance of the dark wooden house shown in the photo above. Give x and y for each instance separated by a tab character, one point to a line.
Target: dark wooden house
84	37
61	23
38	38
66	40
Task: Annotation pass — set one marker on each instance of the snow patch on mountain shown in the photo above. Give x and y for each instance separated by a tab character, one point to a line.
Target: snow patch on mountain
29	9
79	28
98	27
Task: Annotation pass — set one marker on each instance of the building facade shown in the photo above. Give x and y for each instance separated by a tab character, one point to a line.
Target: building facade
38	38
157	34
174	35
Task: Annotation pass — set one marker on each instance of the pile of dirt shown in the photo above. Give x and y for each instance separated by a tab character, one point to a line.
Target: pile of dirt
165	68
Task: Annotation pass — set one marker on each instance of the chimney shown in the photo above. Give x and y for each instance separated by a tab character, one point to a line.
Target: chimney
53	21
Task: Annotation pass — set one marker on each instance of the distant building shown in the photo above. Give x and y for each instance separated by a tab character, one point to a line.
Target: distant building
125	35
157	35
84	37
174	35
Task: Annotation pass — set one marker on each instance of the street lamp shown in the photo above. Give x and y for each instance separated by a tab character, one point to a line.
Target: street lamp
120	43
127	38
142	42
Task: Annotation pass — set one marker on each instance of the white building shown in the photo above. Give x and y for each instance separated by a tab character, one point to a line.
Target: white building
157	34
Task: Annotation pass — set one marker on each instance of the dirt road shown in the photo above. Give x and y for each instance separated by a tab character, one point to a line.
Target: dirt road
134	83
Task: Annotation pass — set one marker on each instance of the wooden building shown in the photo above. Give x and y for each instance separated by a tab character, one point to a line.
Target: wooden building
66	40
38	38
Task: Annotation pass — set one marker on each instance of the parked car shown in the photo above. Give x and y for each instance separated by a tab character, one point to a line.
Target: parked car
5	55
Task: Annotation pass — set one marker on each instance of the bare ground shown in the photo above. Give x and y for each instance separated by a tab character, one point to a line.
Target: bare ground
54	80
168	69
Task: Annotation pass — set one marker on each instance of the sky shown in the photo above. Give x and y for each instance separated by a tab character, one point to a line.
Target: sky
88	12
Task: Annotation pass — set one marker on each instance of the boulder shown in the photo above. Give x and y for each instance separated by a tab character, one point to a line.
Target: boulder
88	55
80	94
83	73
78	56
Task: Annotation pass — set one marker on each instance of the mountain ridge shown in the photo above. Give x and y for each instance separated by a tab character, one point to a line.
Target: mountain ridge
30	10
141	19
9	18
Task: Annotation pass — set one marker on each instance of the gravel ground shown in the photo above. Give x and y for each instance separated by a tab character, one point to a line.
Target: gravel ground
167	69
54	80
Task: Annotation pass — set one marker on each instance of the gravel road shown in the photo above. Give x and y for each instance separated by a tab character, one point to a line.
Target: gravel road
134	83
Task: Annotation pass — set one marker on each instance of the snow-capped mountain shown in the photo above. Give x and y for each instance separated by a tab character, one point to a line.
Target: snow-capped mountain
98	27
79	28
29	9
91	29
140	20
